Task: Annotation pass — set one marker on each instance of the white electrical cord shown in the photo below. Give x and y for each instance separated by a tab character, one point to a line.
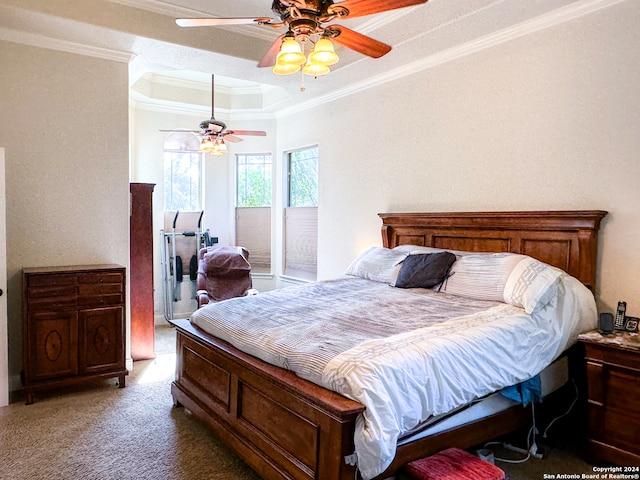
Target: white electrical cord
575	400
532	448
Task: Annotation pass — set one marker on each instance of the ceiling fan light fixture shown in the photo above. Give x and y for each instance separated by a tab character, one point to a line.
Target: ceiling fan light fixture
221	147
290	53
315	69
324	53
213	147
205	146
280	69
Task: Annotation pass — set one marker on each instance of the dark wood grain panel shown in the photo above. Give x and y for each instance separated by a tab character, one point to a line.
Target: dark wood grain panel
293	435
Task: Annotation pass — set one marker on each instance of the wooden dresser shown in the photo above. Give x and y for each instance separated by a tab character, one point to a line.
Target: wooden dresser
613	376
73	326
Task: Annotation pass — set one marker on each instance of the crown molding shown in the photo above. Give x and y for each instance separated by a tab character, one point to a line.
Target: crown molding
542	22
258	89
41	41
139	101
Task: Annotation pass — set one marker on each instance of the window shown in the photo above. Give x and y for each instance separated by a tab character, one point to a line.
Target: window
182	173
301	215
253	209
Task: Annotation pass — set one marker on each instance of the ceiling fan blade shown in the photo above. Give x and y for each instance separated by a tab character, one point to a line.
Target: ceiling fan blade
360	8
230	138
269	58
181	130
360	43
254	133
212	22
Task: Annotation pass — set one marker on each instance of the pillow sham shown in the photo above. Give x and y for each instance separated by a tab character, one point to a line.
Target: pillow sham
378	264
531	285
424	270
482	276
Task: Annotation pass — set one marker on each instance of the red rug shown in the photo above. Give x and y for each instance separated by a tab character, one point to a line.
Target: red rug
453	464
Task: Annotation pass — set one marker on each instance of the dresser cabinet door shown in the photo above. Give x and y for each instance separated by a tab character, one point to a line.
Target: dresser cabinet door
101	339
52	345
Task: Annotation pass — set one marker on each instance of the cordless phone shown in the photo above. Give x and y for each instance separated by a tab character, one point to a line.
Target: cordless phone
620	316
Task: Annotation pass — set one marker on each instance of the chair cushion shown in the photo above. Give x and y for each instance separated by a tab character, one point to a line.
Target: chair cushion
226	272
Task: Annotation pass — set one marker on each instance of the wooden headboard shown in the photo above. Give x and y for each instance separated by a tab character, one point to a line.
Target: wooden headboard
564	239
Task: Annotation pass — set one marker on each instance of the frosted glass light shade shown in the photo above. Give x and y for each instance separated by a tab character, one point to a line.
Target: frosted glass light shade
324	52
288	69
315	69
290	53
212	147
205	146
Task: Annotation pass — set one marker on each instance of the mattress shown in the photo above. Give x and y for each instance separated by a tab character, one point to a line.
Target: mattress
552	378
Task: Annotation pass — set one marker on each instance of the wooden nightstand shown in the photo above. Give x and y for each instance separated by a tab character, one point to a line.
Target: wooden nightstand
613	376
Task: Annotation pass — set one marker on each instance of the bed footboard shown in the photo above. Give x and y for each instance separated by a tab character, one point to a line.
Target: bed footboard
280	425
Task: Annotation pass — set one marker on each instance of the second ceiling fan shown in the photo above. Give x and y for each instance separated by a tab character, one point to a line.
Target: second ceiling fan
306	18
214	132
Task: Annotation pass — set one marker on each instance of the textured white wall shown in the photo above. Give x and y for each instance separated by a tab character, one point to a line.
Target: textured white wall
546	121
64	129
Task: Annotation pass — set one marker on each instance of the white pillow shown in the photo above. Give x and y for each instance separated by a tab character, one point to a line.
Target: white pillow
481	276
377	263
531	285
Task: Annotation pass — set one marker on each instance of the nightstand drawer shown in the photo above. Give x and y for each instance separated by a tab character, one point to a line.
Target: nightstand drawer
614	356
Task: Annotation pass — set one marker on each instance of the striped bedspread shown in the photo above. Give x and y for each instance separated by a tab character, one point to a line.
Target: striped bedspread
301	328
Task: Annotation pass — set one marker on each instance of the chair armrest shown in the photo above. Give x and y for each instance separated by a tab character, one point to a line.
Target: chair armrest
203	297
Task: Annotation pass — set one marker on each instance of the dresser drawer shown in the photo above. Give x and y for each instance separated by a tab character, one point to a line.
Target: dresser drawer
51	280
100	300
100	277
51	290
100	289
52	296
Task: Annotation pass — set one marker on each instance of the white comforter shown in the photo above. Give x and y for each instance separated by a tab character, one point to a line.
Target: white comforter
425	368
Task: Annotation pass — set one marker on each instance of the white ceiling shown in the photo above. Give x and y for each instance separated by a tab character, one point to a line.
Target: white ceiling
144	33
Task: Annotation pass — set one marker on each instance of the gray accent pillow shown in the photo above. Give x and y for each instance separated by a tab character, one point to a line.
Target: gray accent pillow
424	270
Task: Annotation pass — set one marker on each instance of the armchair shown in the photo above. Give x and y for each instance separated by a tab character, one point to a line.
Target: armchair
223	272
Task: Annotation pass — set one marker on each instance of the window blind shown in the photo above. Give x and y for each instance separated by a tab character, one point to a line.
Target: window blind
253	232
301	242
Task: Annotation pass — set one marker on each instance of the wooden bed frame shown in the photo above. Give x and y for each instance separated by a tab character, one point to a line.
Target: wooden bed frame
285	427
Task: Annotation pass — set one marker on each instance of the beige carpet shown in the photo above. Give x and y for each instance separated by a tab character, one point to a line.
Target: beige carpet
102	432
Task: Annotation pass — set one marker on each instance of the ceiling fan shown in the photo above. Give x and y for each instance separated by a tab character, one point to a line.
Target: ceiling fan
214	132
305	18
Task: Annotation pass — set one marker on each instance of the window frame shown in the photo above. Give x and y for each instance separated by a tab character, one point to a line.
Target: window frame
263	260
194	157
305	266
